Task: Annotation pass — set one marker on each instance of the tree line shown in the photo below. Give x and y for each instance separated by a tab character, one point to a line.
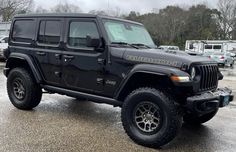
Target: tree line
172	25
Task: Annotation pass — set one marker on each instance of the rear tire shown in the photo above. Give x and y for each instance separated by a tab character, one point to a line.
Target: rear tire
23	91
195	120
147	131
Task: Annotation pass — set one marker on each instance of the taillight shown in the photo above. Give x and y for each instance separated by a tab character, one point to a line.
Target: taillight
222	57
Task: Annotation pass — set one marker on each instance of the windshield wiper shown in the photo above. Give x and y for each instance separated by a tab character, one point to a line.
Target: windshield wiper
124	43
140	44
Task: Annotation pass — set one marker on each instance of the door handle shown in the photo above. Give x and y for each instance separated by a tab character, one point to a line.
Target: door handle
69	57
41	53
101	61
58	56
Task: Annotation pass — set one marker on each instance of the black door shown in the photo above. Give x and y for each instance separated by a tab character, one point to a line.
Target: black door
83	67
48	52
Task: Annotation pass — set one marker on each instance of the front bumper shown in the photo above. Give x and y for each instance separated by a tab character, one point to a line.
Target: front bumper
209	101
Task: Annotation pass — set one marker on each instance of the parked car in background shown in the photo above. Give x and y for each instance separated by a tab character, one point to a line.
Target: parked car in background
168	47
232	54
222	58
3	45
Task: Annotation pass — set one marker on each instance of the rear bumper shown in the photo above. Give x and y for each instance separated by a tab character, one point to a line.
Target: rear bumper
209	101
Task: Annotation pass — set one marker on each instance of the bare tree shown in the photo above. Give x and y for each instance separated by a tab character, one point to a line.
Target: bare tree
172	18
227	17
40	9
100	12
9	8
65	7
234	29
116	12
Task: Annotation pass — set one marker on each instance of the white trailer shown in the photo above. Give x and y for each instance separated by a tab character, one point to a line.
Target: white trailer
5	28
195	47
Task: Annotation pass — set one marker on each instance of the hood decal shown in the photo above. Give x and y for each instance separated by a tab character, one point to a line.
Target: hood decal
153	60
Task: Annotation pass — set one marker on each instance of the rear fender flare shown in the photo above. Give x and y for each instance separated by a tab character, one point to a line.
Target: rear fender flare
28	60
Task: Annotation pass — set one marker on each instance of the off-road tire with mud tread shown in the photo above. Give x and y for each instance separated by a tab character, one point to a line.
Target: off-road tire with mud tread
33	92
172	119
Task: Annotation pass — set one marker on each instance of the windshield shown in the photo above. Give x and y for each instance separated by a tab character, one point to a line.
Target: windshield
127	33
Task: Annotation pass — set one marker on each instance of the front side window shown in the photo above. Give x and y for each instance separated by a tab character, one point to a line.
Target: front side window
49	32
23	30
126	32
78	32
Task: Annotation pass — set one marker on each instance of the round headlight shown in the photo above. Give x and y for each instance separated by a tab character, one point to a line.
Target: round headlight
193	73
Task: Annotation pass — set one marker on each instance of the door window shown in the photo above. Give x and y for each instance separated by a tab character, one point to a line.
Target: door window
49	32
78	32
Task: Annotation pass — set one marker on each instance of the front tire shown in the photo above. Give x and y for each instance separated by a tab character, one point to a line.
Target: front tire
150	117
24	93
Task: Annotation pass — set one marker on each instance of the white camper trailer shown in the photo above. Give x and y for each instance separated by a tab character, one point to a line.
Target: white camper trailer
195	47
4	28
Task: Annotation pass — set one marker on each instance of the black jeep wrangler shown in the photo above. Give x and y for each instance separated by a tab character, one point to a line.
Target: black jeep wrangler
113	61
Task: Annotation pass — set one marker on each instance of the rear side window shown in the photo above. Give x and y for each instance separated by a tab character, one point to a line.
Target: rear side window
23	31
79	31
49	32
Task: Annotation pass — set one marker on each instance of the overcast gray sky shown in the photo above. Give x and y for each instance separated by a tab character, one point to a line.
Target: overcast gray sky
125	6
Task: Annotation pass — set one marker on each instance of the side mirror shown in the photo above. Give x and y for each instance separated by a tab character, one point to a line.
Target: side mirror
92	42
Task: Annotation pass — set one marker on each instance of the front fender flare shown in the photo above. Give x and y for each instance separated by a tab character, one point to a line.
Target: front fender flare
158	70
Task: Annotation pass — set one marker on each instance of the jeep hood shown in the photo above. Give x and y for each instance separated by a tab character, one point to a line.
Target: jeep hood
162	57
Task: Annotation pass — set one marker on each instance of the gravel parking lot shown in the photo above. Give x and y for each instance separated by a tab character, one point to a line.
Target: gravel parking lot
61	123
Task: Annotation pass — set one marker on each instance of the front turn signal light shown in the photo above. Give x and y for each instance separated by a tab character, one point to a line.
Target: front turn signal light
180	78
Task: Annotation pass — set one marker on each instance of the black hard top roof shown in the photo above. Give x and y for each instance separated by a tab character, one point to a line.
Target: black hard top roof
55	15
65	15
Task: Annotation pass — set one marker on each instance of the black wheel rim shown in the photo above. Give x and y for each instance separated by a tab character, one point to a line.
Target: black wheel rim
18	89
147	117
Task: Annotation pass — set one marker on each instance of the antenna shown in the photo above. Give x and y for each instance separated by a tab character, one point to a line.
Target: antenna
108	6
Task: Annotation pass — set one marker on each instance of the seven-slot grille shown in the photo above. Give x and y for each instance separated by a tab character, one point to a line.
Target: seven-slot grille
209	77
